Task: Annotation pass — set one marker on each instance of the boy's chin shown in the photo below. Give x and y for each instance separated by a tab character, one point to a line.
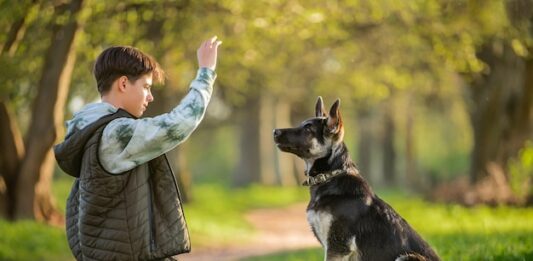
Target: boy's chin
136	114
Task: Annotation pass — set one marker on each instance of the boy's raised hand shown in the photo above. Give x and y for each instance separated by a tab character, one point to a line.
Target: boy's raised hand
207	53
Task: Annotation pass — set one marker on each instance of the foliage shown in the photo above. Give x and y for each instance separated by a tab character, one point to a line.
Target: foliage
521	172
23	63
367	52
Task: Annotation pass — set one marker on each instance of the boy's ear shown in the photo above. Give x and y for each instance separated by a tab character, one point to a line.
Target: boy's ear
319	108
121	83
334	118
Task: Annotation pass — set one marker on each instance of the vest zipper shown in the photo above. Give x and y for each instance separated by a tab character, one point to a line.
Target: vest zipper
151	216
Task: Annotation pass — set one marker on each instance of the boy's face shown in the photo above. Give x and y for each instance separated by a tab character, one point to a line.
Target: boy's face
137	95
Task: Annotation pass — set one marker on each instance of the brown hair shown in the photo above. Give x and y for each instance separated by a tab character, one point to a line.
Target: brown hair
118	61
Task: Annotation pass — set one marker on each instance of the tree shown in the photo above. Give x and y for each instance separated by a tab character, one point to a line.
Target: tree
29	184
10	136
268	64
502	97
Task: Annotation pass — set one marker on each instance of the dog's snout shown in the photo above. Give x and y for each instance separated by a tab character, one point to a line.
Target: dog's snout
277	132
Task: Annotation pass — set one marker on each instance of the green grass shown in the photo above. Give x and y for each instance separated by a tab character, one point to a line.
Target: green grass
311	254
28	240
455	232
479	233
216	218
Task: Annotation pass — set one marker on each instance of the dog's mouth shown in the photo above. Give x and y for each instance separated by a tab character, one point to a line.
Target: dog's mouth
285	147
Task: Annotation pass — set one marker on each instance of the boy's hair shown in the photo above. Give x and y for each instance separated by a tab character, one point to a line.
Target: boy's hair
128	61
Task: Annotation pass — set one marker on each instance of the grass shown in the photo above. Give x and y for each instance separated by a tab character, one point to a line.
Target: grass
312	254
479	233
455	232
216	217
27	240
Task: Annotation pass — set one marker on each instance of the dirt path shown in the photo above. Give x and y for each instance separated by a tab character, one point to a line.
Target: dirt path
278	230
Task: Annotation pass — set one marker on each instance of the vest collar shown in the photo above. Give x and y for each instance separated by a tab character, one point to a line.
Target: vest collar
322	177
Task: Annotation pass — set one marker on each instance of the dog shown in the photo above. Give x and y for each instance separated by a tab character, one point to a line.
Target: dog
350	221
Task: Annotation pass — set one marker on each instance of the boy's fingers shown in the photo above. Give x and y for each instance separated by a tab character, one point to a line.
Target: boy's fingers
211	43
213	39
217	43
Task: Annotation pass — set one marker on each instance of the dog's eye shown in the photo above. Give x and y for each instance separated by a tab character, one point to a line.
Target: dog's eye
308	126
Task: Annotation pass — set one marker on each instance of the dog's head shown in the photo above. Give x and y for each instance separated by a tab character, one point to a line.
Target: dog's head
315	137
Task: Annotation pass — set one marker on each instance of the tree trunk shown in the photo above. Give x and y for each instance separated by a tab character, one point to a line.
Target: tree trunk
365	129
501	109
11	143
12	152
249	159
410	147
266	121
389	154
47	116
284	163
260	161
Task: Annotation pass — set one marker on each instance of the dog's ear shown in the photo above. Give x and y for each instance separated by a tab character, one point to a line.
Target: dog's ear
319	108
334	118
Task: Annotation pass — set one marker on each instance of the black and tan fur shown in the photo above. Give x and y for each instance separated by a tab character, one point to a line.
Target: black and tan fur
349	220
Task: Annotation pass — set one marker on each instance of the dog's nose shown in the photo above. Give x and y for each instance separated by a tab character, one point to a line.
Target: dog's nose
277	132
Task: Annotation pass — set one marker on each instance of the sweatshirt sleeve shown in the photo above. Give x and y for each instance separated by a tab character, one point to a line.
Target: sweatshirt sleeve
127	143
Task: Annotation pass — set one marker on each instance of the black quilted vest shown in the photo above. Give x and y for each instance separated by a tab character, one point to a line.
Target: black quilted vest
135	215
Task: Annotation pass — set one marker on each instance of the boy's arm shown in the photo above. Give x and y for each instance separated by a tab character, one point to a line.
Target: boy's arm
127	143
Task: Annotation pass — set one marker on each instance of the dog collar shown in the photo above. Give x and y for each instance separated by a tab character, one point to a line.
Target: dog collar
322	177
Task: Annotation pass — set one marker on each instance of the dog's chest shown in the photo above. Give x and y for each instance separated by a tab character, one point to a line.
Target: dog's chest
320	221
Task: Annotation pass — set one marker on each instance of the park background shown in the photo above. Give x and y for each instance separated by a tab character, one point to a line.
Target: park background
436	96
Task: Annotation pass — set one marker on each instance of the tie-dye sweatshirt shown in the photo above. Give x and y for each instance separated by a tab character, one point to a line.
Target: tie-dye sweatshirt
127	143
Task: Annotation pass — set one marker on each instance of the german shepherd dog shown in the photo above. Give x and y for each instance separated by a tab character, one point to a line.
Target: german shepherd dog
349	220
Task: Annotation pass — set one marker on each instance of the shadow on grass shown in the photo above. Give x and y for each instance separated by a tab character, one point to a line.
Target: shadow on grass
501	246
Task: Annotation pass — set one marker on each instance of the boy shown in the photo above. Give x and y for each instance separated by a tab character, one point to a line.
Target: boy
124	203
